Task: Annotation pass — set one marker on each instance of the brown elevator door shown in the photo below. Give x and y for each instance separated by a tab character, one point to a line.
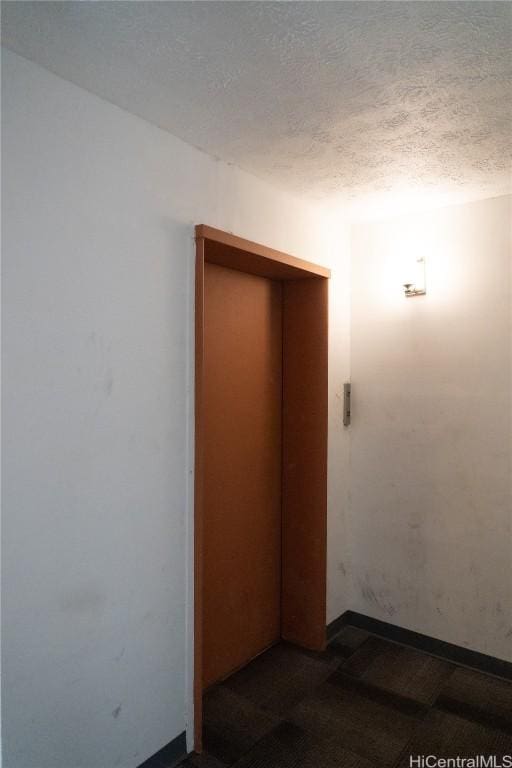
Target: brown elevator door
242	468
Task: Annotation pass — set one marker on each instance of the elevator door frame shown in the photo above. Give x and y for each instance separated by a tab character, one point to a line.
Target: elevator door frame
304	465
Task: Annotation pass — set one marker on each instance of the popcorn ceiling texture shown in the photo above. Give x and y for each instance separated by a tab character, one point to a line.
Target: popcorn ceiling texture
333	100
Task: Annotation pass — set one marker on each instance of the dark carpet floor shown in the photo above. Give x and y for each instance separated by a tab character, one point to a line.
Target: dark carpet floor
363	703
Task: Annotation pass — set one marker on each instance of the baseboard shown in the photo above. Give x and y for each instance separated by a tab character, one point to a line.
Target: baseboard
170	755
454	653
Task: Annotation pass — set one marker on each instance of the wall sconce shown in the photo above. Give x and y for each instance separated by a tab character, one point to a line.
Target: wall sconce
415	285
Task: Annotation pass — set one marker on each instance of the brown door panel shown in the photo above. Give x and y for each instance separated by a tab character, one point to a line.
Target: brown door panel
304	520
242	468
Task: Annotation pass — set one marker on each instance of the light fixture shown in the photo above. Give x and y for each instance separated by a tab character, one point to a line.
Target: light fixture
415	284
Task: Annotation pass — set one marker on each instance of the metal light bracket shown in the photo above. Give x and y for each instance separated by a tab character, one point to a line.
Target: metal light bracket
418	287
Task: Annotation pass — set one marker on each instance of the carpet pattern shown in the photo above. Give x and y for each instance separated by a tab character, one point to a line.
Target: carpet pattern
363	703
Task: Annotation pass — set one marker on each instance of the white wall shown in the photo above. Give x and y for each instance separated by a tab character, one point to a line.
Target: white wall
338	486
98	215
430	518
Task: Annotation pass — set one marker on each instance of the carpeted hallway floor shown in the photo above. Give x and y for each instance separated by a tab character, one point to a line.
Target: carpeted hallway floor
363	703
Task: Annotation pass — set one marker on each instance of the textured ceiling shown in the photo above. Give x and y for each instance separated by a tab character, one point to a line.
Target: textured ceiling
338	100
